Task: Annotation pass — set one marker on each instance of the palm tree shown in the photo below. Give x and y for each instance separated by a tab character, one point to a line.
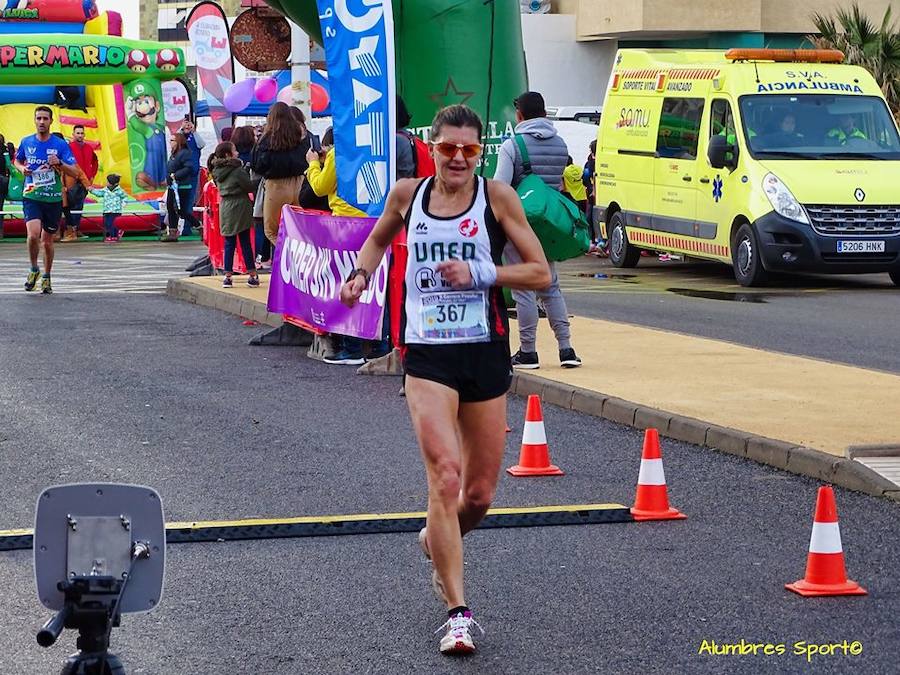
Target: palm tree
875	48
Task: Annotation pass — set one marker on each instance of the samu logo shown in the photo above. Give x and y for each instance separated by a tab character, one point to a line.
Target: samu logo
468	228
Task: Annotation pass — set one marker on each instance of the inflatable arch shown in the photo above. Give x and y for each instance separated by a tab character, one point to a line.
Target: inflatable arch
48	47
448	52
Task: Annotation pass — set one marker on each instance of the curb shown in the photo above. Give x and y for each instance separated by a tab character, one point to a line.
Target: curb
178	289
796	459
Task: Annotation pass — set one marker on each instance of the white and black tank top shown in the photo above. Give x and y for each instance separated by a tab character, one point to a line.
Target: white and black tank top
433	311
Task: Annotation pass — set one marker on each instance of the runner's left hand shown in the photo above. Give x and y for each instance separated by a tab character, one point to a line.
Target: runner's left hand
53	160
457	274
352	290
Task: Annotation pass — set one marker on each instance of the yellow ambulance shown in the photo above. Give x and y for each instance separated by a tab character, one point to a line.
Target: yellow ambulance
767	160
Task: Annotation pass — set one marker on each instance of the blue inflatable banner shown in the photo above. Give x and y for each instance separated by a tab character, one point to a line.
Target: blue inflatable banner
359	50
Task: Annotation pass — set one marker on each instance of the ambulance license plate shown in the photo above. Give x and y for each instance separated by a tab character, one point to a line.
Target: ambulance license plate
860	247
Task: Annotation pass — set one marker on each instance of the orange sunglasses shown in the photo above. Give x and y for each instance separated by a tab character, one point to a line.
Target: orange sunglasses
449	150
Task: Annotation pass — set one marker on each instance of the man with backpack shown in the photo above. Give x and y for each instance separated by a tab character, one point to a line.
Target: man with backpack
413	154
548	155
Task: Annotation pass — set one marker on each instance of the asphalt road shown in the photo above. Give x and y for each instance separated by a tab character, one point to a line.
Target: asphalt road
849	319
139	388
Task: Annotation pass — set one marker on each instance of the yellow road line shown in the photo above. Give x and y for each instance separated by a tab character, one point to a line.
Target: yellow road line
359	517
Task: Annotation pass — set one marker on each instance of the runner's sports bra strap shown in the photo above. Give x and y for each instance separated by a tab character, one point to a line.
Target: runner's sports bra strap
523	151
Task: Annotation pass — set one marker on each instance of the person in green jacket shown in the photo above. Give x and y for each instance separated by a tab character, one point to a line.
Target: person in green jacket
845	131
235	209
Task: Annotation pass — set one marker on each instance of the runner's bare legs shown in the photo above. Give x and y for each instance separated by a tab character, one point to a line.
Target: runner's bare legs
462	446
47	241
35	236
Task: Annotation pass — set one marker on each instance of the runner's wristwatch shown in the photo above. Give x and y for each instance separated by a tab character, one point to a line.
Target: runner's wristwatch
359	272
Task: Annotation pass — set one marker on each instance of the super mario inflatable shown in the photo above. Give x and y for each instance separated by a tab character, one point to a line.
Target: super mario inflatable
67	55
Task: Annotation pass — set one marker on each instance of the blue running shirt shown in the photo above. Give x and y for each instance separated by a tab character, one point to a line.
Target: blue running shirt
44	184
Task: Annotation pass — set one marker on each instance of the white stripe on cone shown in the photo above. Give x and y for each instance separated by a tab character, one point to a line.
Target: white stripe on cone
651	472
826	538
534	433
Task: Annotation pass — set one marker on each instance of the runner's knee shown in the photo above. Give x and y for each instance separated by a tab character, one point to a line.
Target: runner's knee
444	481
478	497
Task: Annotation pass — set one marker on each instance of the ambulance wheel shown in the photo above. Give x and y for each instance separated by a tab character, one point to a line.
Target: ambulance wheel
621	253
895	277
748	268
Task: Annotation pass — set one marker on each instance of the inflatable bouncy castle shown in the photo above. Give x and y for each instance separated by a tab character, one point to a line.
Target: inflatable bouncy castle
446	52
67	55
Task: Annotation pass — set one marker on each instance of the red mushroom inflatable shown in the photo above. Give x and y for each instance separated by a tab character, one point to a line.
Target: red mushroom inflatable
138	61
167	60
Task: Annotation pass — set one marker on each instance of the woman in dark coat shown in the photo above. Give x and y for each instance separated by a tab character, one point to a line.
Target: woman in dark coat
181	173
280	158
235	209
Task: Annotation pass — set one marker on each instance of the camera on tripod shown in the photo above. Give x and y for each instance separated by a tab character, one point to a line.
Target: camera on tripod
99	552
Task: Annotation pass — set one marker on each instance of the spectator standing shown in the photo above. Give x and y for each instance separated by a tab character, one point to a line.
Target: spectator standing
588	174
77	189
235	209
280	158
322	178
6	155
549	155
573	185
244	139
181	175
114	198
406	156
195	144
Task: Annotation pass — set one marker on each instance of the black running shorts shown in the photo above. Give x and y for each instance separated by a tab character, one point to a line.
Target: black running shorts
478	371
49	213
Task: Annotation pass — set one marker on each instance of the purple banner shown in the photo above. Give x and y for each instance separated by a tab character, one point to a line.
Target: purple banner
314	255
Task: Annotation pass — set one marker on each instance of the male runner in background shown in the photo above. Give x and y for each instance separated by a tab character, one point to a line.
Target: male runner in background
43	158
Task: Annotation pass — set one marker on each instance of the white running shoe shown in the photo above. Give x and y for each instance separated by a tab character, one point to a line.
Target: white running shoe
458	639
436	584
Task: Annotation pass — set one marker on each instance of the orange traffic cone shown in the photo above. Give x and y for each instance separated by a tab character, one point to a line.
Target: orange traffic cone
825	573
534	458
652	501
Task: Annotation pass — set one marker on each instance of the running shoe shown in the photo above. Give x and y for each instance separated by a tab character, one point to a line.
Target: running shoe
227	282
345	358
568	358
525	360
46	288
32	279
436	584
458	639
120	234
253	281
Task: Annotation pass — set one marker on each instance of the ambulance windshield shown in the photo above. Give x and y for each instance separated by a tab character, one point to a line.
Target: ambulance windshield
818	126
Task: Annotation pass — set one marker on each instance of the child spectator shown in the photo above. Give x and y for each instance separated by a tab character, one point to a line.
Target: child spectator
573	187
114	197
235	209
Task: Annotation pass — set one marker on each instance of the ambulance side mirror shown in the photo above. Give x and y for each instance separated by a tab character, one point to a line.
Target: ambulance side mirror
721	153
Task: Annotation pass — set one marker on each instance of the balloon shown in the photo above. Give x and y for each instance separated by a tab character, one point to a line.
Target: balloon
319	97
239	95
266	89
286	95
